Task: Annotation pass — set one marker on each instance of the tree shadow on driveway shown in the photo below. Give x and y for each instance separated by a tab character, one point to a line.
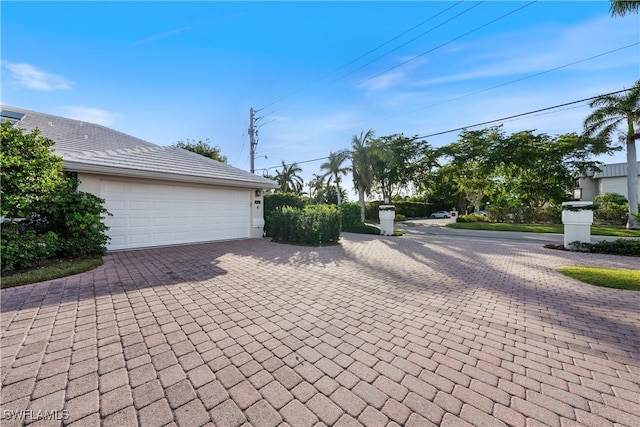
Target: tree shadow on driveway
517	286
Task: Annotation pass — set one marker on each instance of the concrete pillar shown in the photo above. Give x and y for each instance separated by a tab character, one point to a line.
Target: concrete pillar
387	214
577	222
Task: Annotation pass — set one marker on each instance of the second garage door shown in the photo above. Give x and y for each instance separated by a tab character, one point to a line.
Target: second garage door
154	214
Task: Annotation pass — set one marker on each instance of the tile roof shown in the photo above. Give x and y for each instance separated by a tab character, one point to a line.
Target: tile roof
613	170
88	147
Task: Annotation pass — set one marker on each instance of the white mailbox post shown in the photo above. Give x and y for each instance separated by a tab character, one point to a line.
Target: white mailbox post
577	218
453	216
387	214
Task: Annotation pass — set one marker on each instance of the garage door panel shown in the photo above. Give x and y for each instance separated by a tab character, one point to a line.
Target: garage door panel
148	214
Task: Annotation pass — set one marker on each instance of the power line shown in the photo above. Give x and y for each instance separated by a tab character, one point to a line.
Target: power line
496	86
510	82
370	52
444	44
520	115
478	124
413	39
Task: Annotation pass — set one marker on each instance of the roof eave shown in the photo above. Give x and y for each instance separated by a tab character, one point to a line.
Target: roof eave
70	165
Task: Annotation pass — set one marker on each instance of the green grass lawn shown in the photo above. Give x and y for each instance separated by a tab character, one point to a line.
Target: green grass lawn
607	277
596	230
54	269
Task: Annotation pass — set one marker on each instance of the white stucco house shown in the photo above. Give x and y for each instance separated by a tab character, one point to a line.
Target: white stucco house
158	195
612	179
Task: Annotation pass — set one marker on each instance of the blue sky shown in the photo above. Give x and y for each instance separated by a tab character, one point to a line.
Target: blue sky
318	72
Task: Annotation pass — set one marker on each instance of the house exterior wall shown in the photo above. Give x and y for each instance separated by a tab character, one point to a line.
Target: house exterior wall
257	213
589	188
614	185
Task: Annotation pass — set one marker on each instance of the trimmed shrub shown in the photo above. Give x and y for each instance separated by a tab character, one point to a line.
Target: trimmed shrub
350	214
371	211
548	215
313	225
474	217
399	217
611	214
414	209
362	229
273	201
629	247
610	199
407	209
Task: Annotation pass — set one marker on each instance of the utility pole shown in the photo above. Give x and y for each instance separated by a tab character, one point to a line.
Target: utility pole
252	139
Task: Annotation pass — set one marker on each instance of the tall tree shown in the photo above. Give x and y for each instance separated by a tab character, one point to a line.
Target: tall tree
361	166
613	112
399	162
316	189
288	178
204	148
334	169
475	157
622	7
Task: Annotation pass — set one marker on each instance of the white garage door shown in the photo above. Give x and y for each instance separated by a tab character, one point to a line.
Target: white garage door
154	214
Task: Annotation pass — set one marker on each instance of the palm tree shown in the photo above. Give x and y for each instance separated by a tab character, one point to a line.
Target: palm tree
622	7
361	166
334	169
288	178
316	187
613	111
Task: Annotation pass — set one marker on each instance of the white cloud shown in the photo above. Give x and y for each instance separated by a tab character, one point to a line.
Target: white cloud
30	77
557	46
400	75
91	115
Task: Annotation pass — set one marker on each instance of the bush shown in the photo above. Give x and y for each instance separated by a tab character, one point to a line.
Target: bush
610	199
474	217
23	248
350	214
613	214
273	201
76	217
407	209
548	215
629	247
371	211
362	229
414	209
60	220
313	225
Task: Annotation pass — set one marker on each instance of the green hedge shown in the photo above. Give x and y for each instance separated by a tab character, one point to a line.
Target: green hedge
273	201
362	229
474	217
629	247
312	225
350	214
406	209
611	214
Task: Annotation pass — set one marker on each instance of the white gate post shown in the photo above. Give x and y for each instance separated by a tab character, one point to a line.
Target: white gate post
577	218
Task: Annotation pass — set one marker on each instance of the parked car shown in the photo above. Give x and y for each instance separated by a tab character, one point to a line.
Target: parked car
441	214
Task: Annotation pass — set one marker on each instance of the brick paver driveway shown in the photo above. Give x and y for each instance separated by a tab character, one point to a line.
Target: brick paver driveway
376	331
